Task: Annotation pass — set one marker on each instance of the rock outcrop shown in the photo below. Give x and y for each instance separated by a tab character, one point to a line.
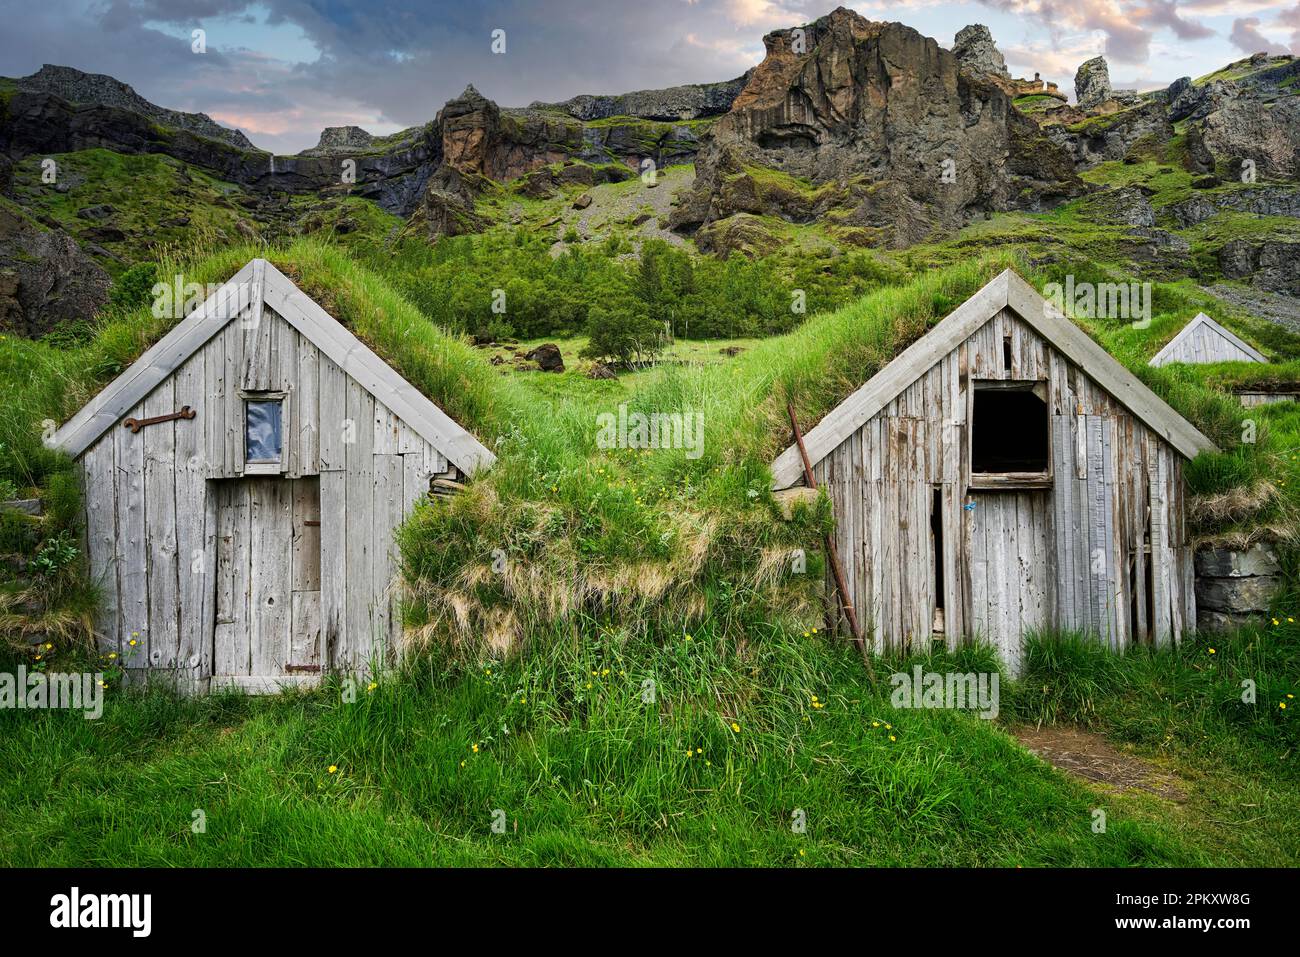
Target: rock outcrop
45	278
1092	83
98	89
1268	265
1250	129
692	102
975	51
892	134
341	139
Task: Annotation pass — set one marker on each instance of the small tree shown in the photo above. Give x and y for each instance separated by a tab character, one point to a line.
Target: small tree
622	332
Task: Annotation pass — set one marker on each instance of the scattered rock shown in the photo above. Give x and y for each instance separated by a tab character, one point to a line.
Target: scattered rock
730	351
582	202
599	370
98	212
28	506
547	356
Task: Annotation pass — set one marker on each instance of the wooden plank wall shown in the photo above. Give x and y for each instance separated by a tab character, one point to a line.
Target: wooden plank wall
1206	344
151	500
1074	556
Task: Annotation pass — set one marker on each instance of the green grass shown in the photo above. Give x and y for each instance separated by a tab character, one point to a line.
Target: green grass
588	773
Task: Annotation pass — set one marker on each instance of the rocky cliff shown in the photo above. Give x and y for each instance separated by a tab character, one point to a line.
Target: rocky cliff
885	127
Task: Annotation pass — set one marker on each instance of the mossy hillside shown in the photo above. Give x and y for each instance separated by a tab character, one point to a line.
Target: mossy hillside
156	201
1037	103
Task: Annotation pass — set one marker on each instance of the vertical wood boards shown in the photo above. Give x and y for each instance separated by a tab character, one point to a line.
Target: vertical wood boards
1073	556
173	527
101	537
194	567
359	632
306	574
132	556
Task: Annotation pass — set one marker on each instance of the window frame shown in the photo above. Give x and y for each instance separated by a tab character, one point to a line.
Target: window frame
267	467
1007	480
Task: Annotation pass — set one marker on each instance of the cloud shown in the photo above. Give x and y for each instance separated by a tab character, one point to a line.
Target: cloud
1127	26
1246	37
1164	13
1291	18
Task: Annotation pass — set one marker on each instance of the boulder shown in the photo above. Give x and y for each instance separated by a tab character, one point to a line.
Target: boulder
1125	205
599	370
98	212
582	202
741	233
547	356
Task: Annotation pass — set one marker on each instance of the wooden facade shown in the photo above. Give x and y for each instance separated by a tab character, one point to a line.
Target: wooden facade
256	575
1093	541
1204	340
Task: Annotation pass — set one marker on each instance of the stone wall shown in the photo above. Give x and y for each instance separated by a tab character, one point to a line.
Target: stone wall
1233	586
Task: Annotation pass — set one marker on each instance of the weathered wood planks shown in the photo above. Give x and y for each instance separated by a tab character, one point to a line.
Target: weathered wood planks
1075	555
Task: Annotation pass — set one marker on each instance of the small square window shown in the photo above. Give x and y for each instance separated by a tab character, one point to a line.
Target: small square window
1010	441
262	433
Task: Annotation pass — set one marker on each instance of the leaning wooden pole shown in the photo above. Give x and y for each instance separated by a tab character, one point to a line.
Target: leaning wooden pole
833	554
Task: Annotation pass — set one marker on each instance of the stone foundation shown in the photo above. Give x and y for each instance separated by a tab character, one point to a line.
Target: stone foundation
1234	587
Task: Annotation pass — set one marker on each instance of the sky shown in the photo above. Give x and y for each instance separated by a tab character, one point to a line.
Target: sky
282	70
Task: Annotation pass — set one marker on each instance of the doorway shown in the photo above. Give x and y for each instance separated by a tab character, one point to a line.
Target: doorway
267	630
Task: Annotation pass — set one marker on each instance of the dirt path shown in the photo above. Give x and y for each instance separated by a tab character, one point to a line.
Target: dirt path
1093	758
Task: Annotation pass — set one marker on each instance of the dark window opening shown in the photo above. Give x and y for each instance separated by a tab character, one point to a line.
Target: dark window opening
1008	431
936	542
1006	354
262	431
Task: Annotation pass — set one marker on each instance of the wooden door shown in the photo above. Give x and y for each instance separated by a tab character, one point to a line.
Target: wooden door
267	630
1007	535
